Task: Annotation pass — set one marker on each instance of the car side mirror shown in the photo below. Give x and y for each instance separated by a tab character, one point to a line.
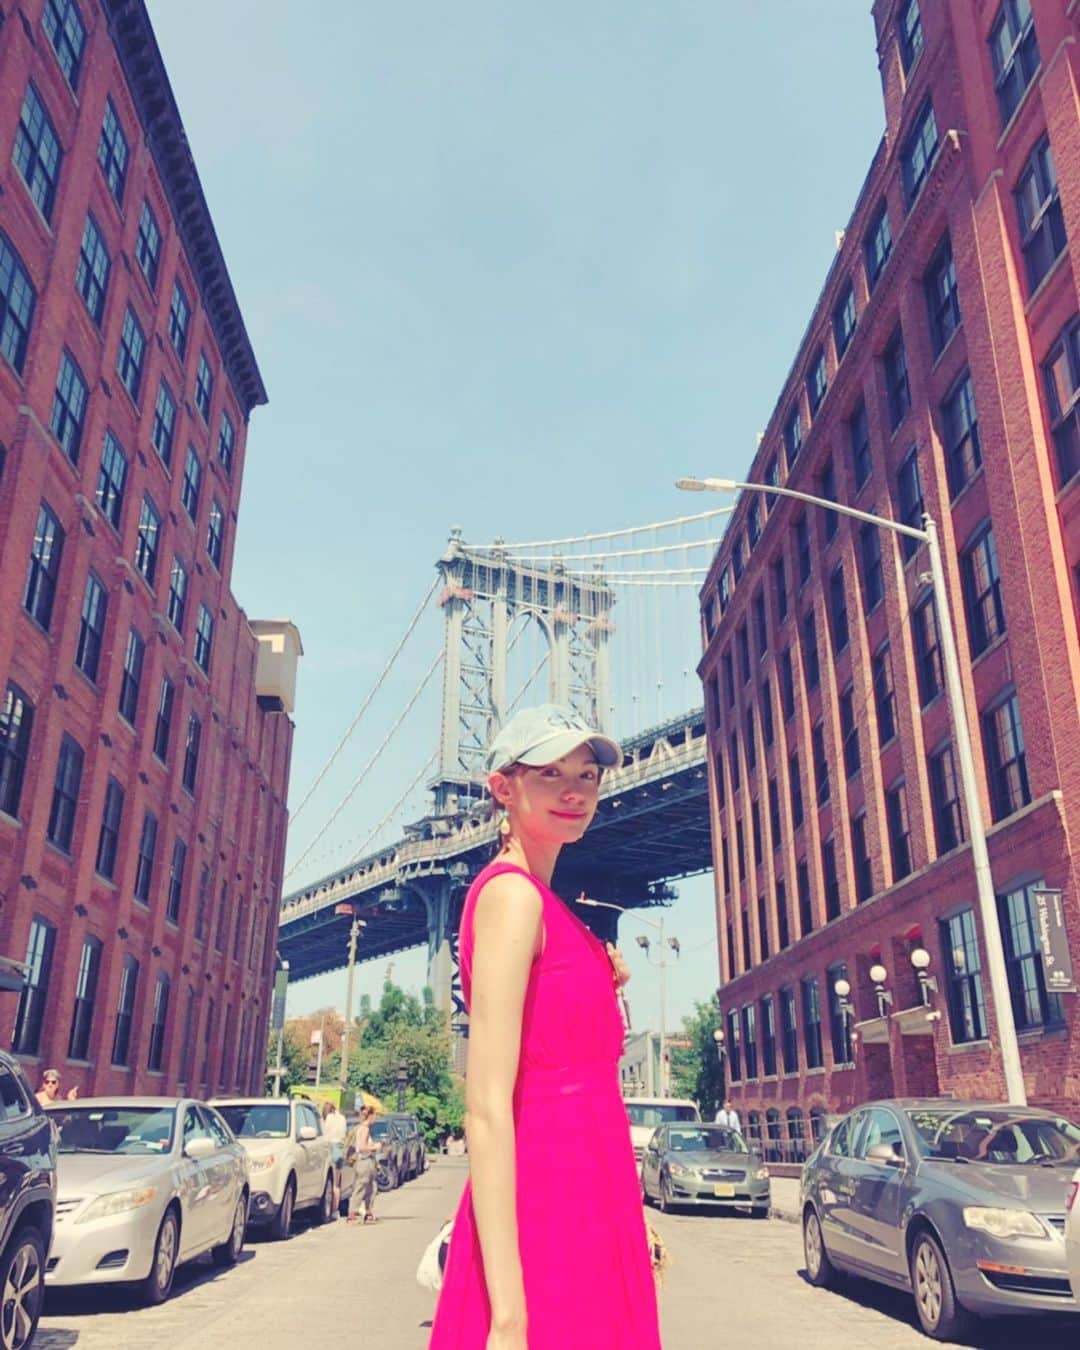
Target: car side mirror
200	1147
307	1134
885	1155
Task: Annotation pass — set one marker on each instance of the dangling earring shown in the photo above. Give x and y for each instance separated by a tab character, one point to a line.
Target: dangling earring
504	827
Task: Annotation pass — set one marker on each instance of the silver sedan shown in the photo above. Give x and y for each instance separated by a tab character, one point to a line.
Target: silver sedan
709	1165
144	1184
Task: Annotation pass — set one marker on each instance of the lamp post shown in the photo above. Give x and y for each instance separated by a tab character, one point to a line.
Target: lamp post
980	856
354	933
661	964
718	1041
878	976
402	1079
842	990
920	959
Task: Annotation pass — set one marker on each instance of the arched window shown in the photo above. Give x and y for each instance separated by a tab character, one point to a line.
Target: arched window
796	1135
817	1124
753	1129
773	1148
17	300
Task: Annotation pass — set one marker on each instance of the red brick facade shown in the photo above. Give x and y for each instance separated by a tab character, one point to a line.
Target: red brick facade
949	183
210	931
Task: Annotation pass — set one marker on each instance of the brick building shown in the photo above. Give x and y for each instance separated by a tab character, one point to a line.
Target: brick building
939	372
144	729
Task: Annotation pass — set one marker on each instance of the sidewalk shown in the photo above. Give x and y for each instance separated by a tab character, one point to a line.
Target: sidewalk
785	1198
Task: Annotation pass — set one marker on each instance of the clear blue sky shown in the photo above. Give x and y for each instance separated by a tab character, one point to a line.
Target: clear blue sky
513	268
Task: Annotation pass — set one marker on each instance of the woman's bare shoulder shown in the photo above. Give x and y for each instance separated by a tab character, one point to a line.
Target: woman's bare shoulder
508	903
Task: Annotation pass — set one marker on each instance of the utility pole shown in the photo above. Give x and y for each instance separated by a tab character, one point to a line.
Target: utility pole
318	1061
354	933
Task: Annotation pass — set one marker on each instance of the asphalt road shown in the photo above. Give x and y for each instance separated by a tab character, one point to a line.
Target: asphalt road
734	1282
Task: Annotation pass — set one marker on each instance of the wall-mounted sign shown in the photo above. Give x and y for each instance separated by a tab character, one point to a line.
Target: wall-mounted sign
1053	942
281	989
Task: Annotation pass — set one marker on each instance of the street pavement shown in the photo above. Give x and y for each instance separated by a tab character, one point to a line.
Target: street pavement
734	1282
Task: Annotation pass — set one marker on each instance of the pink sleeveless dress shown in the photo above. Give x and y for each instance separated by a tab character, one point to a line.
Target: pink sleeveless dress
581	1228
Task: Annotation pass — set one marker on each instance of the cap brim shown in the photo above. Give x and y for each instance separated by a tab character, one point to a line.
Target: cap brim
607	752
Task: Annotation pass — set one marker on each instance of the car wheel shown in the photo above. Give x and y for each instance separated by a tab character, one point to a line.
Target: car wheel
667	1199
22	1282
940	1315
325	1212
281	1227
229	1252
819	1267
157	1286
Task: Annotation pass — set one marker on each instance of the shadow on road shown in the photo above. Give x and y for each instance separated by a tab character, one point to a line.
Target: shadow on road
88	1300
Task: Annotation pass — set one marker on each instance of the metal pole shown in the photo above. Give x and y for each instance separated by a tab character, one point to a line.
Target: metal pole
354	933
279	1067
663	1013
984	883
318	1061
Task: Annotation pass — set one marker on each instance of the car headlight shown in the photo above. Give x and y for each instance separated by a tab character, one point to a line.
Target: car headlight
762	1174
680	1169
117	1202
262	1164
1004	1223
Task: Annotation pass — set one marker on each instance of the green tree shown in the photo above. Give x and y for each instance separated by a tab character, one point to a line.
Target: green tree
696	1071
293	1062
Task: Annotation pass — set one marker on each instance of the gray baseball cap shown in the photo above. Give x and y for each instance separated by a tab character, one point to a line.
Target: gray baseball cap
547	733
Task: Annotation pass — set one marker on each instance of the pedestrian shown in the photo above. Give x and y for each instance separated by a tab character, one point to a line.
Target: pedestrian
335	1128
728	1116
360	1151
549	1250
50	1088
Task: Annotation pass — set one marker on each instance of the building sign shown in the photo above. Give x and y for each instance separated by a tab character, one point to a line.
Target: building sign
281	988
1053	942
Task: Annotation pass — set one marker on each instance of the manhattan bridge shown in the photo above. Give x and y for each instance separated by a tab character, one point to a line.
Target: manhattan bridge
607	623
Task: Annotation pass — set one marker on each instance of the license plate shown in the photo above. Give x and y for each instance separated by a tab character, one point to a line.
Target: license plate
723	1189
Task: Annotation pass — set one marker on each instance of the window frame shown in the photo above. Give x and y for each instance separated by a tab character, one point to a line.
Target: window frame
37	153
114	152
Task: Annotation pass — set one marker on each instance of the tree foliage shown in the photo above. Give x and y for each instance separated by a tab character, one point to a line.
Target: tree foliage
696	1071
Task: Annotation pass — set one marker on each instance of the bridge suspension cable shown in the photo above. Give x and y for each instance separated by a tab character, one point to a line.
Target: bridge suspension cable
605	534
374	833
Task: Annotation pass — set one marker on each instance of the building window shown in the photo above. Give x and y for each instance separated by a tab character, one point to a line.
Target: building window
734	1053
109	838
768	1037
838	619
789	1031
878	245
113	153
191	754
909	30
177	601
873	577
66	31
884	694
176	881
202	903
187	1043
821	763
830	878
817	380
131	677
34	997
148	245
1062	374
144	866
1015	54
774	813
864	872
767	730
761	622
827	489
204	639
37	154
802	549
163	720
806	903
811	1000
839	1025
772	477
945	799
43	571
927	651
179	317
726	861
92	270
963	975
896	379
763	927
795	789
1038	206
91	628
737	557
215	533
942	297
896	814
787	685
793	436
86	987
148	540
157	1023
1006	761
125	1011
729	680
918	151
129	359
16	724
65	798
208	1041
961	426
204	387
227	444
982	591
112	478
843	320
859	435
189	491
69	407
17	299
783	931
733	761
744	653
751	744
811	660
749	1019
753	520
849	733
779	574
1033	1006
164	423
724	591
755	830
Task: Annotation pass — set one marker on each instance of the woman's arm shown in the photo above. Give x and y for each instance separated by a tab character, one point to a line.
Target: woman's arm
507	927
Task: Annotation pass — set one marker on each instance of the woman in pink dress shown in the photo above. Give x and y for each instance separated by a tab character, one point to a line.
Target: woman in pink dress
548	1249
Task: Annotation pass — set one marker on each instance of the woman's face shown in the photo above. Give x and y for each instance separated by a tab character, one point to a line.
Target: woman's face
553	803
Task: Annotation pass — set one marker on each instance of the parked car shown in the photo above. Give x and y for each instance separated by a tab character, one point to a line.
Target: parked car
646	1113
290	1159
27	1205
1072	1234
960	1203
415	1152
704	1165
145	1184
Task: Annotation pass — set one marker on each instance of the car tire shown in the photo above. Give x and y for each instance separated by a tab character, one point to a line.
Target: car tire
667	1199
325	1209
387	1178
157	1286
22	1288
281	1224
646	1198
940	1315
228	1253
820	1270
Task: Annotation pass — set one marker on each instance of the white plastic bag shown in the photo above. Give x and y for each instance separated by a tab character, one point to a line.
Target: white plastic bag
429	1271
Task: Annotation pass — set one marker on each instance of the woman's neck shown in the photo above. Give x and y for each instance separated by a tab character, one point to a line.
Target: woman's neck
533	856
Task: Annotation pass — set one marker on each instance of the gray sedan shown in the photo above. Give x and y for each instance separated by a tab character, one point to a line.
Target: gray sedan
143	1185
694	1164
960	1203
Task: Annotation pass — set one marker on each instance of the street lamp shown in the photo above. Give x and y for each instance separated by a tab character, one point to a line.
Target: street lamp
920	959
878	976
354	933
980	856
718	1041
846	1009
661	964
402	1079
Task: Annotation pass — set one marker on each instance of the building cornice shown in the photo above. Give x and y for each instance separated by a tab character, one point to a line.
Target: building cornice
140	57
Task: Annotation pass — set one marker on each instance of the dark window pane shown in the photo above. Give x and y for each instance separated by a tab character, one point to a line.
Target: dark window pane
17	300
113	152
37	154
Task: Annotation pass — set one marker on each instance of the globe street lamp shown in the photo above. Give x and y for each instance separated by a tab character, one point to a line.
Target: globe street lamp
718	1041
878	976
980	856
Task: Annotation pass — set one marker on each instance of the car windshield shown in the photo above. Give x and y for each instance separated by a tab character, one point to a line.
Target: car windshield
380	1129
658	1113
257	1120
996	1135
706	1138
115	1129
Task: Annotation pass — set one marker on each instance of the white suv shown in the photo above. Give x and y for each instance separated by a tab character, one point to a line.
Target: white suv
1072	1235
645	1113
291	1160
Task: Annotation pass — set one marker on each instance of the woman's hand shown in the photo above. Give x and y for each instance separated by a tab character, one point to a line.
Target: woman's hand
619	969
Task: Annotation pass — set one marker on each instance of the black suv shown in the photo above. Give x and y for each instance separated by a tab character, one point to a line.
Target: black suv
415	1151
